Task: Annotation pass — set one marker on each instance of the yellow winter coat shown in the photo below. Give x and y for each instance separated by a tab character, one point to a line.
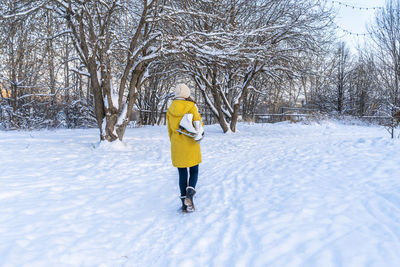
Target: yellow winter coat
185	152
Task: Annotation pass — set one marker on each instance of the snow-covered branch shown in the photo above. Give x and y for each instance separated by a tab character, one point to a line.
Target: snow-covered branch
25	12
80	72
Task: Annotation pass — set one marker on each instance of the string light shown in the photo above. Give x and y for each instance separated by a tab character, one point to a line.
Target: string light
355	7
349	32
343	4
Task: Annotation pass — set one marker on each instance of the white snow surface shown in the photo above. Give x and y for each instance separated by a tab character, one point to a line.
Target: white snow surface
270	195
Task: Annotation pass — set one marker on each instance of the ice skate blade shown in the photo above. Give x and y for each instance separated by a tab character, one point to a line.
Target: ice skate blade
186	133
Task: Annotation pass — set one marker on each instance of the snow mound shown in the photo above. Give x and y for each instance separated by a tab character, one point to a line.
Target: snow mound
116	145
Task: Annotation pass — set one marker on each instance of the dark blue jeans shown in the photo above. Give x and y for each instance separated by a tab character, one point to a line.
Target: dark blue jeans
183	178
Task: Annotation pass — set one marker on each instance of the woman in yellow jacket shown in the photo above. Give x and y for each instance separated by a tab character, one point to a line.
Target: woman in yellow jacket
185	150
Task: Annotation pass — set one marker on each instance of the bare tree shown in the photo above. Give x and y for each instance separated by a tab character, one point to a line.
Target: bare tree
386	36
116	63
342	71
364	90
226	44
23	55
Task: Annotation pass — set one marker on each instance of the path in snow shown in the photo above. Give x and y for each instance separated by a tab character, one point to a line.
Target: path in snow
270	195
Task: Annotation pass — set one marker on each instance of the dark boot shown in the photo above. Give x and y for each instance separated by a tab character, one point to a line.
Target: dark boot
189	198
184	207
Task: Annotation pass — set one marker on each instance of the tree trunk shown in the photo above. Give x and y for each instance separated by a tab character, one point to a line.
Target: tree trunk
236	106
98	96
218	103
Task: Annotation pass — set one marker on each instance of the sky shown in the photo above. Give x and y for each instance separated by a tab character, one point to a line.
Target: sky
355	20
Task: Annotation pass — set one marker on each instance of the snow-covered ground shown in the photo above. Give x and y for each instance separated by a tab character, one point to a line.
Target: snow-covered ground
271	195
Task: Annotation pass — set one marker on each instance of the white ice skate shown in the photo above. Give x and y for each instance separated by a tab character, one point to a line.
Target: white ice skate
186	126
199	131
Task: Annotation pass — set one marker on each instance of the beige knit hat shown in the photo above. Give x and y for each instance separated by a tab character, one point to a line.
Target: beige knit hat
181	90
